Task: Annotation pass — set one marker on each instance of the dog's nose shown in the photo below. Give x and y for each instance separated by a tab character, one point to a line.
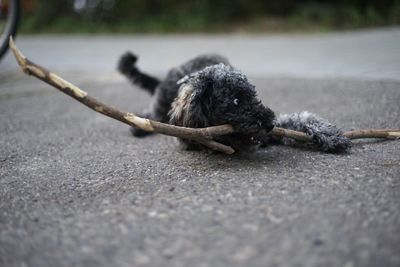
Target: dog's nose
269	128
265	124
268	125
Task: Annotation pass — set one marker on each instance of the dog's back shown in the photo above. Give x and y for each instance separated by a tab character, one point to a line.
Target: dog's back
168	89
127	66
163	91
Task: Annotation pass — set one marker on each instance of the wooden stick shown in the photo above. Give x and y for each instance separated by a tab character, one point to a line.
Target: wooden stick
373	133
356	134
298	136
201	135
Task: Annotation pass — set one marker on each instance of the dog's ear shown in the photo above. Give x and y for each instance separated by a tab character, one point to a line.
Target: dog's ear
191	107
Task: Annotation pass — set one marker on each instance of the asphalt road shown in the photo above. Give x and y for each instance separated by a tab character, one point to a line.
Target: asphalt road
367	54
77	190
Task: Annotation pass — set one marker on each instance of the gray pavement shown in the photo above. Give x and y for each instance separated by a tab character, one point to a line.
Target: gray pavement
77	190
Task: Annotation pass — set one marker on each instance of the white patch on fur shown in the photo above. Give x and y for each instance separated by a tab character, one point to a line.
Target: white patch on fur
303	117
306	116
183	80
181	104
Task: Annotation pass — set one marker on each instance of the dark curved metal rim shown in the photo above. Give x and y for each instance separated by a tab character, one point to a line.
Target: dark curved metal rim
11	26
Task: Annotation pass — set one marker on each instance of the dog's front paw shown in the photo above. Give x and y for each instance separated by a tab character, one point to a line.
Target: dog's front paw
126	62
330	142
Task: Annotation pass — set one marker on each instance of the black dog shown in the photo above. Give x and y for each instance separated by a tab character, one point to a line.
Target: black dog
208	91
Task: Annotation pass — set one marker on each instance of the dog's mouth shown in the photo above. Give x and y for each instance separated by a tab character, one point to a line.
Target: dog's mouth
257	138
252	139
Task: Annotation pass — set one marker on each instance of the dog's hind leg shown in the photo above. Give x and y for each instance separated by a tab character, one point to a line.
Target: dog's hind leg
127	66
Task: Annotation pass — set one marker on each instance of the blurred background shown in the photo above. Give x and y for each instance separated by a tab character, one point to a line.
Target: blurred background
159	16
77	190
358	39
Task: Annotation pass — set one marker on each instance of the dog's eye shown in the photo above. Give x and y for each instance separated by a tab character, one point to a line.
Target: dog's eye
236	101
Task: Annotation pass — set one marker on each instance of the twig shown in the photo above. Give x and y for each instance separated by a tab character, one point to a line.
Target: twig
374	133
200	135
298	136
356	134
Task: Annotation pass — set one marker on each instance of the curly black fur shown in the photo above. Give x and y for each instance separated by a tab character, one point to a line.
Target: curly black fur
217	95
326	136
164	92
207	91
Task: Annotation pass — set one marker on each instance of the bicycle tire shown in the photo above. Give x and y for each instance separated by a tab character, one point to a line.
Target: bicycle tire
11	26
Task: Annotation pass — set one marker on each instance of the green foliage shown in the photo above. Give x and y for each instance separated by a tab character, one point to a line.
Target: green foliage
210	15
395	13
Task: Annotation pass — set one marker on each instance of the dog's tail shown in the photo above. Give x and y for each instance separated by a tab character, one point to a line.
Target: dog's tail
127	66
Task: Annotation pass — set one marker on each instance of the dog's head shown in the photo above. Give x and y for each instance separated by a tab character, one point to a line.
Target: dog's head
219	95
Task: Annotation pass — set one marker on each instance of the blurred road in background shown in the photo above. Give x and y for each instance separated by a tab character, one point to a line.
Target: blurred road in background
369	54
76	189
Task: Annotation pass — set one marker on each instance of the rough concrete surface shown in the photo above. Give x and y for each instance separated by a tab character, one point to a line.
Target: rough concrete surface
76	189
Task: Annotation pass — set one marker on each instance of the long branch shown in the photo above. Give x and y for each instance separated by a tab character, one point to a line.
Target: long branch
356	134
201	135
373	133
